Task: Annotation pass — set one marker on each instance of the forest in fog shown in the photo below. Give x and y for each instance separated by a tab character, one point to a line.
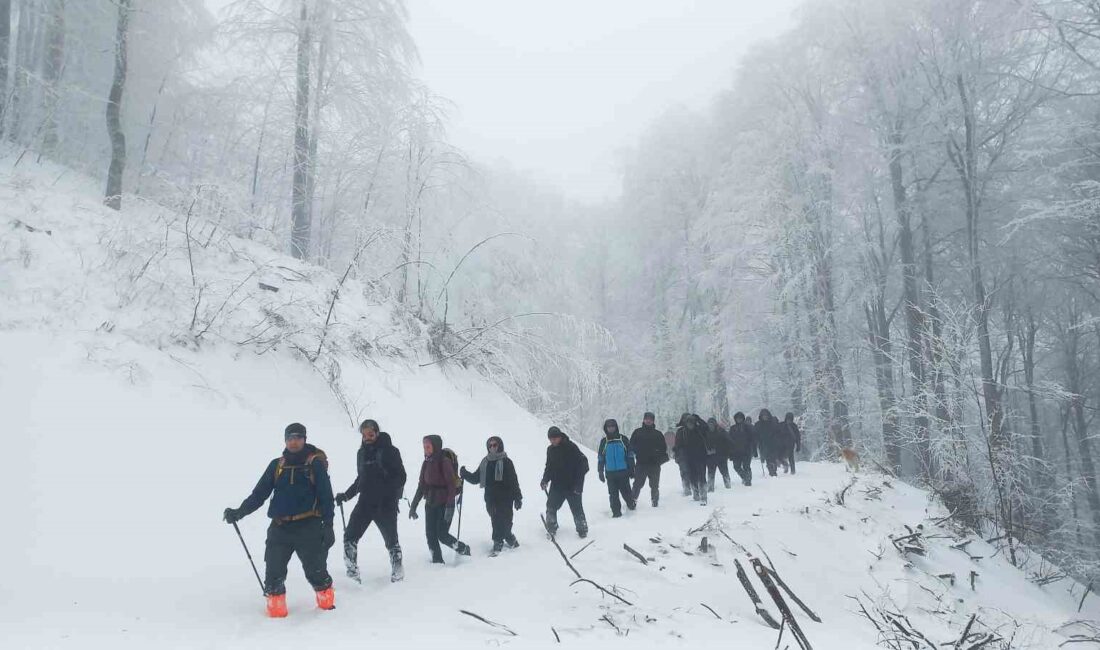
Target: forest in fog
886	222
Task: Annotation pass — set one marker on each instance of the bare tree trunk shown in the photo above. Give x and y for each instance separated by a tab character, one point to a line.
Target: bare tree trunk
300	228
53	64
878	332
914	316
1071	338
321	17
26	60
5	44
1026	336
113	195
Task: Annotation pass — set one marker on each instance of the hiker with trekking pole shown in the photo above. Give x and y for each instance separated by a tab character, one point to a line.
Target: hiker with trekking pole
379	482
439	486
301	512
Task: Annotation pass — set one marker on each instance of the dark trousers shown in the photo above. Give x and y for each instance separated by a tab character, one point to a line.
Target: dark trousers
773	464
651	473
500	514
714	464
437	528
284	540
618	483
554	500
364	514
685	476
790	460
697	477
743	467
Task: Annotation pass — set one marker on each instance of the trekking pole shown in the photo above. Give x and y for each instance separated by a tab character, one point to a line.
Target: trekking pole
343	522
458	533
241	537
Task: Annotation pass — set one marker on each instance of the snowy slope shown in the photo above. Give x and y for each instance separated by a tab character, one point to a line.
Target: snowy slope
127	436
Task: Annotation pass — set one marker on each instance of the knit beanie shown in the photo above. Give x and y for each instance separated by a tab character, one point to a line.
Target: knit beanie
294	429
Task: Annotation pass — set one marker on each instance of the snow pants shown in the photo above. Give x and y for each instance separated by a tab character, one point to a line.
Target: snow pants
618	483
303	537
437	528
364	514
501	515
651	473
743	467
554	500
714	464
697	477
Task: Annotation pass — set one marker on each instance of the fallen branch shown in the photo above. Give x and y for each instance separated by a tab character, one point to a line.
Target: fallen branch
558	638
756	602
788	616
1083	597
582	549
711	611
798	601
609	593
488	622
641	558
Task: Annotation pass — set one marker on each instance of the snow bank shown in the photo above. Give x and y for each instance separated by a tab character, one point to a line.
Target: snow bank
137	411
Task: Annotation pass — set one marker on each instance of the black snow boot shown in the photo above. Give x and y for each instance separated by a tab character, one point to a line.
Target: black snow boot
512	542
497	548
654	502
397	571
462	548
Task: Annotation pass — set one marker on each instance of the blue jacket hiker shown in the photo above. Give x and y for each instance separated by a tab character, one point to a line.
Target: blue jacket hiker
301	513
616	467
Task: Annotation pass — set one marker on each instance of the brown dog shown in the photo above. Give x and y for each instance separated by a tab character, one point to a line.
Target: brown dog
851	457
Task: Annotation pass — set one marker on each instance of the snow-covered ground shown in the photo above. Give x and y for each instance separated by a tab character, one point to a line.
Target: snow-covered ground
127	435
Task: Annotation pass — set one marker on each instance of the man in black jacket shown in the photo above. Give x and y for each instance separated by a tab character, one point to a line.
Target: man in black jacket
566	466
769	438
379	481
742	447
792	439
718	454
650	452
691	445
301	519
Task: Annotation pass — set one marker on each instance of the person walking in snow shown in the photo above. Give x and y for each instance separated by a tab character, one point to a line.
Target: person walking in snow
497	476
718	454
650	452
379	482
770	439
301	513
742	447
792	439
691	440
680	458
566	466
615	465
438	487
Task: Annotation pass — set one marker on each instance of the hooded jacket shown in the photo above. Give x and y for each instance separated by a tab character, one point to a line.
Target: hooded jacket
437	477
791	433
503	492
614	453
649	446
742	438
566	466
381	477
691	439
301	487
718	440
770	438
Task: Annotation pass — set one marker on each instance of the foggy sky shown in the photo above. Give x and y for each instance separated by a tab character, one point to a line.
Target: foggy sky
557	88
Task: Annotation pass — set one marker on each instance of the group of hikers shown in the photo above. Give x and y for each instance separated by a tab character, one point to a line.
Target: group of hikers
303	506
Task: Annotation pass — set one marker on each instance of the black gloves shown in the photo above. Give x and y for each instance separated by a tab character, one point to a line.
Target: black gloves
341	498
328	535
519	503
601	477
231	515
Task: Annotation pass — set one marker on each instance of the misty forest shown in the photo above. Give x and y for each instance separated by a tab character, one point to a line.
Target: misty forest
886	221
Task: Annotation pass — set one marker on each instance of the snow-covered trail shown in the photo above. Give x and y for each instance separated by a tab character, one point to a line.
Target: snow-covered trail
125	456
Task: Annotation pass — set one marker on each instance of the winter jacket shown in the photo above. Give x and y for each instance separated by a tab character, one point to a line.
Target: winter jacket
614	453
742	439
792	434
691	441
566	466
381	474
770	438
437	478
300	484
718	440
649	446
505	491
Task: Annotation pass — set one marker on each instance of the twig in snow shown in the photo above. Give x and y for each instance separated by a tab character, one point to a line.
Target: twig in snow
558	638
488	622
641	558
582	549
798	601
1083	597
609	593
711	611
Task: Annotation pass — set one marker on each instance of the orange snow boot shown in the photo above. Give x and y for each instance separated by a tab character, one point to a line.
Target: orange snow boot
276	605
326	599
